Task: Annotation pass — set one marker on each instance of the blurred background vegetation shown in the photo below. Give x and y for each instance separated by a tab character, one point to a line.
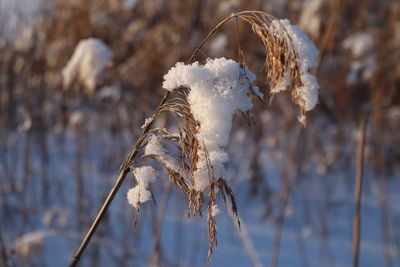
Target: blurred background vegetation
61	146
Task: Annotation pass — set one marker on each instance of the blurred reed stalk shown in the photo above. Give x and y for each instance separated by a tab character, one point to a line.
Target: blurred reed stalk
358	189
285	195
4	260
155	247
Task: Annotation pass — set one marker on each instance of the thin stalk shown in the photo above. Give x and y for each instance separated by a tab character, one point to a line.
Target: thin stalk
99	218
285	195
4	260
246	240
219	24
358	191
125	168
155	250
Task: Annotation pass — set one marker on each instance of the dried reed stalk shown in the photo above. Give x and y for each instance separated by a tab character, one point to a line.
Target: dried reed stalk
358	190
287	180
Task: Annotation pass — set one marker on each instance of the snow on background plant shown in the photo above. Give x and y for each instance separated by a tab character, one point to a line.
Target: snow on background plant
88	61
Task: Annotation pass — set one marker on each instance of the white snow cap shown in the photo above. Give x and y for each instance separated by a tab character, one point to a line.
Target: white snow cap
88	61
217	90
307	55
155	148
363	64
141	193
310	19
31	241
360	43
215	210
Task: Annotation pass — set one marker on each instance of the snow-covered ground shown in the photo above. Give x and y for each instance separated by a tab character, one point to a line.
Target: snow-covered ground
317	230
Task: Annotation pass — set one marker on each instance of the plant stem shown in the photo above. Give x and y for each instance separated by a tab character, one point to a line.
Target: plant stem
125	168
99	217
358	191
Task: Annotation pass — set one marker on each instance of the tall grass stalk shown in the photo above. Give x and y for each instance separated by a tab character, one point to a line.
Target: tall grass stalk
358	190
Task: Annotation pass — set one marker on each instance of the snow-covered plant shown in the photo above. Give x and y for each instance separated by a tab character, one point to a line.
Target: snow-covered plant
203	97
362	65
310	17
88	61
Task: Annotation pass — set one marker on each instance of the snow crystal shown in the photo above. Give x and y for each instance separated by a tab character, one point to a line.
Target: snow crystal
217	90
283	85
257	92
154	147
302	119
307	54
146	122
88	61
215	210
306	50
141	193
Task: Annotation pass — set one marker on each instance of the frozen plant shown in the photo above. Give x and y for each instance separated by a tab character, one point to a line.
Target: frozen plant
296	74
88	61
203	98
141	193
30	242
217	90
362	66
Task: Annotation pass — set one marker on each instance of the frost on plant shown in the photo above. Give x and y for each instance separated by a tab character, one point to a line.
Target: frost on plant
167	157
32	241
88	61
305	92
203	98
289	57
217	90
141	192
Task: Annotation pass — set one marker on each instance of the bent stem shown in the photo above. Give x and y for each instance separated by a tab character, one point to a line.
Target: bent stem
219	24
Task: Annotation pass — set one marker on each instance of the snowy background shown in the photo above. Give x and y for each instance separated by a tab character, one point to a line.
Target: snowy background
69	116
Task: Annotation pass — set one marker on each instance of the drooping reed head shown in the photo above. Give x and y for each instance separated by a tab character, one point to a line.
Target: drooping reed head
204	98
